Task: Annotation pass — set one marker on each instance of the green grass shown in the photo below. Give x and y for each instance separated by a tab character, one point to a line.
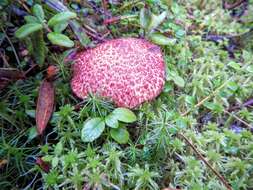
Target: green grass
202	82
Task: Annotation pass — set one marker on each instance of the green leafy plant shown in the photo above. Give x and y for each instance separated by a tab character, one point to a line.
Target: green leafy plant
150	22
93	128
207	98
37	22
35	26
143	178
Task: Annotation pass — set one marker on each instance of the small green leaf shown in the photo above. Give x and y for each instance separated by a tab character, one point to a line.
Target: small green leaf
32	133
144	18
215	107
167	87
160	39
60	39
156	20
27	29
47	158
61	17
179	81
180	33
55	162
92	129
30	113
60	27
120	135
249	68
168	3
37	11
31	19
233	86
112	121
52	178
190	100
80	34
234	65
4	2
124	115
58	148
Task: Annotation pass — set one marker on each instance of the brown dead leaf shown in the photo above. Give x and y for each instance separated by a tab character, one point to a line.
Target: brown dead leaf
11	74
8	75
45	105
3	163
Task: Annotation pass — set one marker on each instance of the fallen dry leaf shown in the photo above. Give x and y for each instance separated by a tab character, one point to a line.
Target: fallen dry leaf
11	74
45	105
8	75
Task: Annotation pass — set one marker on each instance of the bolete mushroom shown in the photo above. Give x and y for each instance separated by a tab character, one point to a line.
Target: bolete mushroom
128	71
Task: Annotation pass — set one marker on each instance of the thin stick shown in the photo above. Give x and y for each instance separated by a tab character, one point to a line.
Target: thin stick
212	94
222	179
25	7
4	60
239	119
105	5
130	3
234	5
30	69
205	99
14	51
95	36
248	103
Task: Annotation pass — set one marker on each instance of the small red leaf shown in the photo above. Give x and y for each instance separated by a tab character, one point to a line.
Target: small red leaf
52	71
45	105
43	165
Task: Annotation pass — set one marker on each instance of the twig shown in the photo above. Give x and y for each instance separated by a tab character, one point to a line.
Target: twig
130	3
95	36
118	18
234	5
30	69
4	60
205	99
222	179
91	29
105	5
25	7
76	27
245	104
239	119
212	94
14	51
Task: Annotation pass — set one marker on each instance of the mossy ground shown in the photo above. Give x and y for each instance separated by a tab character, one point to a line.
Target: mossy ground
206	86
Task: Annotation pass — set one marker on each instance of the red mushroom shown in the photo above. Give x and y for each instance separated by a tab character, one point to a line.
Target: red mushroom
129	71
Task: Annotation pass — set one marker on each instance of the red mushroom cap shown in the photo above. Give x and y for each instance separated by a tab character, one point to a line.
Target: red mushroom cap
129	71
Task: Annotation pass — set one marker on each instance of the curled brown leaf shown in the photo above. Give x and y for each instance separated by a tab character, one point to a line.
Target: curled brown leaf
11	74
45	105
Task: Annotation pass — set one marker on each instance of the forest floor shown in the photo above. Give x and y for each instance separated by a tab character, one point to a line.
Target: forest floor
196	135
